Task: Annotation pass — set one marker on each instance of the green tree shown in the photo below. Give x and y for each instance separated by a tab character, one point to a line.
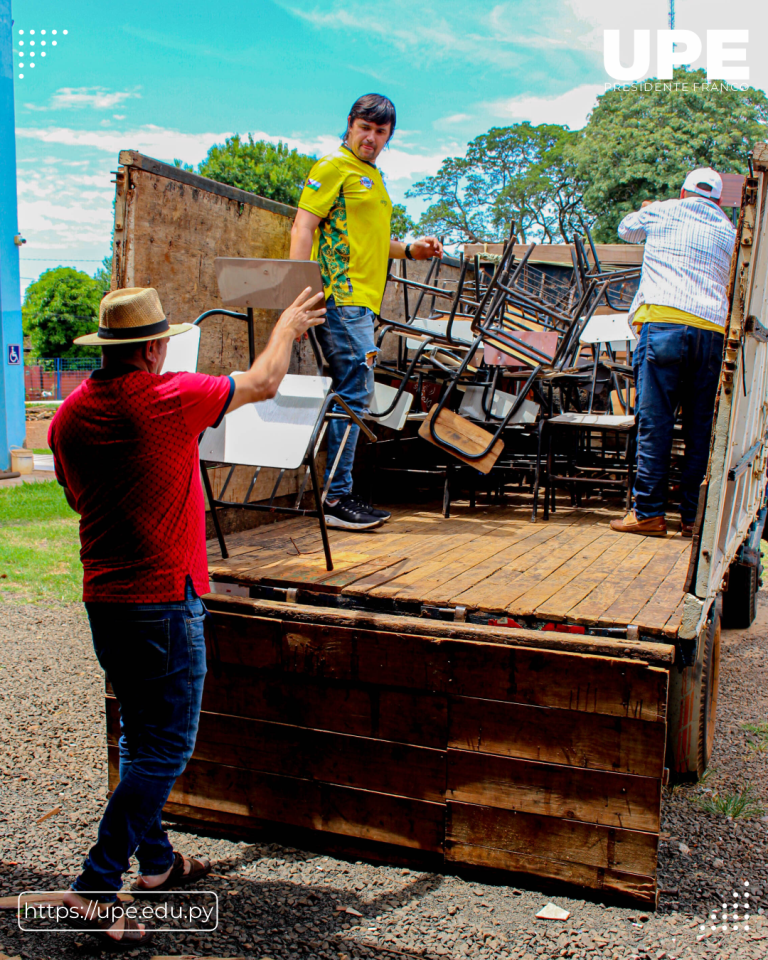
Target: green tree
519	173
639	145
267	169
63	303
401	224
103	275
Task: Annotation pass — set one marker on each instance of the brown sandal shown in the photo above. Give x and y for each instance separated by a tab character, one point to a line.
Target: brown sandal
199	867
99	925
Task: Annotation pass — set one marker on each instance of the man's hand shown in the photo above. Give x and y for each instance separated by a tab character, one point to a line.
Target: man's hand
306	311
425	248
269	368
646	203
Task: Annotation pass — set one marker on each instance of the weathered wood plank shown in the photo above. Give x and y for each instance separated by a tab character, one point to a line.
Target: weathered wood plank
403	716
485	559
567	737
528	567
636	595
618	688
528	603
364	763
663	603
306	803
571	841
225	606
557	607
464	435
592	796
612	587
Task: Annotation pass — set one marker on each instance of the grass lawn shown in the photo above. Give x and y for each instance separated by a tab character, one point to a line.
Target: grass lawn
39	545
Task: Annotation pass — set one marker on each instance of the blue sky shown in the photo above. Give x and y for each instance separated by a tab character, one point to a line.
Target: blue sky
171	81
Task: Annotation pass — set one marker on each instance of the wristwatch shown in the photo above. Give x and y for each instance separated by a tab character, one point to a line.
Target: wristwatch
408	254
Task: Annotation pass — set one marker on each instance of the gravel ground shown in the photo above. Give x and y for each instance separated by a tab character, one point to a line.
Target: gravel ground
278	901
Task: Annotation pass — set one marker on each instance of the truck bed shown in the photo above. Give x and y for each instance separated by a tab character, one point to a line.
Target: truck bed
491	561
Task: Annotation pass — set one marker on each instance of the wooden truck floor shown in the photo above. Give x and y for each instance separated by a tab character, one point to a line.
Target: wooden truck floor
492	560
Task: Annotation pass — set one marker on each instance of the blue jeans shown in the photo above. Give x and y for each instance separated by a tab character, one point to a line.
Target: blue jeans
348	345
675	365
154	656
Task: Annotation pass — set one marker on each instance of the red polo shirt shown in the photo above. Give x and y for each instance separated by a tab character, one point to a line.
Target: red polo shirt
125	444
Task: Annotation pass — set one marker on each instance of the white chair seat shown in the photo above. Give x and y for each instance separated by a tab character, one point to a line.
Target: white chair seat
382	400
272	433
594	420
460	331
182	352
612	328
472	406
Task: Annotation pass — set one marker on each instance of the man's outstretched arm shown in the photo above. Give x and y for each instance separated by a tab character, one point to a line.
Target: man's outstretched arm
271	365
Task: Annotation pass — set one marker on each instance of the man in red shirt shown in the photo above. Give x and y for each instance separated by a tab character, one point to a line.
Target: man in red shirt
125	449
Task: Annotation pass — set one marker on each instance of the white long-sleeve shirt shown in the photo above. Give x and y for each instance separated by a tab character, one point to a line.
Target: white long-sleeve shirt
686	264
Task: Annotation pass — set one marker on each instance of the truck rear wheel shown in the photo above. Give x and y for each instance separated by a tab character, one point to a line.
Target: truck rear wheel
740	599
693	705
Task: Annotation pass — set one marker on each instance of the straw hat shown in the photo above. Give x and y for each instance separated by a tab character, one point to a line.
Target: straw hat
131	315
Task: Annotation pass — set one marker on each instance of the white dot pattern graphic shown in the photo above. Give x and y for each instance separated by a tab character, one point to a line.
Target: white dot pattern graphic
22	54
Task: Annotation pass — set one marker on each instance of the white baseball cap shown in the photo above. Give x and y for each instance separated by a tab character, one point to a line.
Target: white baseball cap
706	182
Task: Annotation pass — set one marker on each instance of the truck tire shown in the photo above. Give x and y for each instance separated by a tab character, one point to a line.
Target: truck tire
693	705
740	599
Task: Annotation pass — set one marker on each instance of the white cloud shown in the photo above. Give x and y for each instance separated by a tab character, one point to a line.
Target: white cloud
570	108
158	142
490	36
98	98
457	118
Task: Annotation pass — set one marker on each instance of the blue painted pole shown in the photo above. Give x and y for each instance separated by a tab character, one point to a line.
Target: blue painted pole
12	425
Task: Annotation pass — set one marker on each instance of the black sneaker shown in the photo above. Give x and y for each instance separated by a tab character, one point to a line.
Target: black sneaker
366	507
350	515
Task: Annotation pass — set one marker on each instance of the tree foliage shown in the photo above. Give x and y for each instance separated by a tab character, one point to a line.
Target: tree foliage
63	303
267	169
640	144
103	275
401	224
519	173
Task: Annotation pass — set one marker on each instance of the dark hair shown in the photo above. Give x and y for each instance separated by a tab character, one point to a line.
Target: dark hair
374	108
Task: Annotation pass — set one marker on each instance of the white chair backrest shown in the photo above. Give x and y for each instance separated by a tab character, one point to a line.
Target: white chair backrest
382	400
461	330
613	328
271	433
183	351
472	406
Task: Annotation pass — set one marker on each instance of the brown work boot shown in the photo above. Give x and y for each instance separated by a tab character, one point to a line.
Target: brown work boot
649	527
686	529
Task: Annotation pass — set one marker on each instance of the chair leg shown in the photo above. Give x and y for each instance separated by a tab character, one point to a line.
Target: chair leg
447	493
320	514
214	514
548	475
537	478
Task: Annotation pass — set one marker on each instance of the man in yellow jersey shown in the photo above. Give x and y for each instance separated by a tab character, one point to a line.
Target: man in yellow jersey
344	223
682	306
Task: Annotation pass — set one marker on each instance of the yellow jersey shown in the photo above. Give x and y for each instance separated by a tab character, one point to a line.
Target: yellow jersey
352	240
654	313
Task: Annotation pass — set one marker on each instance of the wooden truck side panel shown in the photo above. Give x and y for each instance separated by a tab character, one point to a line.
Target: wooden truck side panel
527	759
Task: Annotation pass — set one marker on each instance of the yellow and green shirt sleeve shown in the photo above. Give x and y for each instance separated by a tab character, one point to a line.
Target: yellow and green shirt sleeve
352	240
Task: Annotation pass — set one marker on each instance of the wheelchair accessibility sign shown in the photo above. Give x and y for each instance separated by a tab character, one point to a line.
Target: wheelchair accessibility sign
14	354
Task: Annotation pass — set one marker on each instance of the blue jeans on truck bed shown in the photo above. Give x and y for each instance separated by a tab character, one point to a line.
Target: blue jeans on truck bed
675	364
154	656
348	345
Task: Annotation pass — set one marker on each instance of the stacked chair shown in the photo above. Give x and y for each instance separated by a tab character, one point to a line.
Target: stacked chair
521	377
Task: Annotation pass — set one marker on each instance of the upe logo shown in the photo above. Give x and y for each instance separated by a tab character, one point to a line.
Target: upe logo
676	48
